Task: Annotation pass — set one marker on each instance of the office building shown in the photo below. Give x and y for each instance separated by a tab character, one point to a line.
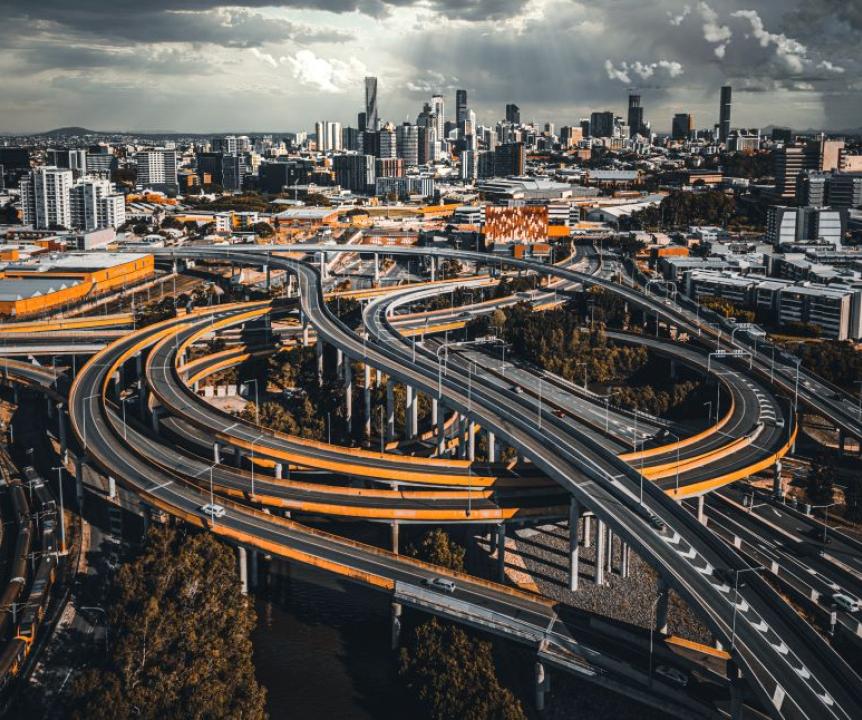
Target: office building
790	161
14	163
461	108
45	198
403	187
350	139
355	172
438	108
845	190
570	136
743	140
510	159
782	135
794	225
485	164
635	116
101	163
724	113
388	142
276	177
69	159
157	169
586	130
215	168
602	124
468	166
371	119
513	114
683	126
94	203
811	189
328	136
407	143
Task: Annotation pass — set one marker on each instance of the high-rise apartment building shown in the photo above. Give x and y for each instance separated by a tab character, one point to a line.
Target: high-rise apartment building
74	159
683	126
95	203
407	143
790	161
513	114
157	169
635	116
602	124
355	172
438	107
811	189
328	136
45	197
724	113
372	122
226	144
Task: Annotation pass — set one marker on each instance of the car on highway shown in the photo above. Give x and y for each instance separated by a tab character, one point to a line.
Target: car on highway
845	602
560	413
439	583
517	389
212	510
657	522
672	674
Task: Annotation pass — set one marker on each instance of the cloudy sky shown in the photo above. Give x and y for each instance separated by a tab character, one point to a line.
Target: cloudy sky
204	66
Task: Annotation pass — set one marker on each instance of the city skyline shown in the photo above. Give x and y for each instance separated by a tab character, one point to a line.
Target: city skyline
204	67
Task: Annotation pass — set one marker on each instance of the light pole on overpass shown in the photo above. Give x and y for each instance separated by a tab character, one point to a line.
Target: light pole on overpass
641	473
798	362
59	469
212	494
252	461
652	628
676	437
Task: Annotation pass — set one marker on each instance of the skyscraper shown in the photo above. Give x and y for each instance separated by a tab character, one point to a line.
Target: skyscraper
328	135
513	114
510	159
683	124
407	142
354	172
460	107
635	116
371	119
157	168
724	113
602	124
439	108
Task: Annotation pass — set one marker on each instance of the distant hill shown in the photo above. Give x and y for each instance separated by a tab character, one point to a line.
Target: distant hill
69	131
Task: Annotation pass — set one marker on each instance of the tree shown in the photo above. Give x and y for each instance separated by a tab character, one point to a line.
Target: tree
264	229
820	480
317	199
437	548
180	638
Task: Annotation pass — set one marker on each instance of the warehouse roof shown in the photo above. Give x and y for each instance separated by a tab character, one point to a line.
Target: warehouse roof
33	287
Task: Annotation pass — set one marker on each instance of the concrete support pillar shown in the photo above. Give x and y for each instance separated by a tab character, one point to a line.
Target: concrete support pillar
501	552
433	269
348	393
701	518
319	350
156	415
143	396
268	272
492	447
601	537
50	406
376	269
139	365
305	338
238	455
253	563
460	449
390	410
736	691
61	429
662	607
434	411
278	470
471	440
14	394
242	561
323	271
366	397
588	532
112	487
625	552
409	413
609	567
339	361
79	481
574	521
441	431
842	438
777	490
541	680
396	620
216	452
395	536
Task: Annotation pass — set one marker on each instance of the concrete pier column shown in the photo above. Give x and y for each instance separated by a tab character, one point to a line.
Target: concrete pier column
541	680
433	269
339	361
253	564
434	411
701	518
61	428
268	272
574	521
501	552
79	481
139	365
143	396
395	538
396	621
376	269
409	401
588	523
777	490
242	562
492	447
305	339
318	349
471	440
14	394
390	410
609	567
50	406
238	455
601	537
366	397
156	415
278	470
625	551
348	393
662	607
112	487
441	431
216	452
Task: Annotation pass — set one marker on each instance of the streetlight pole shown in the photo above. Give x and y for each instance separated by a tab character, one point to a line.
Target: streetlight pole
709	411
540	403
641	473
252	461
652	629
676	437
796	386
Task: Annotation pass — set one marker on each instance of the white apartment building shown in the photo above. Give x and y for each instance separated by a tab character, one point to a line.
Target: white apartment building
328	136
45	197
96	204
157	168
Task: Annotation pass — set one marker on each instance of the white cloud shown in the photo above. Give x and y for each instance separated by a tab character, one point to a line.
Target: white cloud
623	73
329	76
713	31
829	67
265	57
791	52
676	20
614	74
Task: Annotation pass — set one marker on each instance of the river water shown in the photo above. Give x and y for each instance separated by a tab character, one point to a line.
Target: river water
322	650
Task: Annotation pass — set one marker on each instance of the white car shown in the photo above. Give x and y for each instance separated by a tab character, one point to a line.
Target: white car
845	602
672	674
439	583
213	511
